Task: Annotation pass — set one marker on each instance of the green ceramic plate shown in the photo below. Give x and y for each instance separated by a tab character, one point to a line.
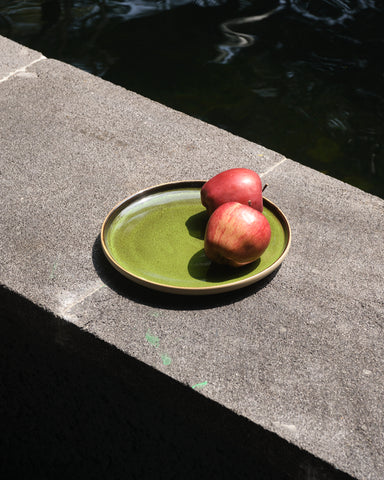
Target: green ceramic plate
156	238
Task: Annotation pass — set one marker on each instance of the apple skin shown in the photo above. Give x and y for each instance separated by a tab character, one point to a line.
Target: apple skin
234	185
236	235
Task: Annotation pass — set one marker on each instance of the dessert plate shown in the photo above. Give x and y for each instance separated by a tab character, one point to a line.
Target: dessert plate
156	238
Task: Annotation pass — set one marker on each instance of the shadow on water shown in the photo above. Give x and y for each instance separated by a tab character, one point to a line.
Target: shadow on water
72	406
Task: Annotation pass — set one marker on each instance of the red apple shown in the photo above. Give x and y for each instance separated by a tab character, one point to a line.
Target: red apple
236	234
235	185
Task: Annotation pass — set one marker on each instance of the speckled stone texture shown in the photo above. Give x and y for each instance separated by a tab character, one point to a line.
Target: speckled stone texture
286	374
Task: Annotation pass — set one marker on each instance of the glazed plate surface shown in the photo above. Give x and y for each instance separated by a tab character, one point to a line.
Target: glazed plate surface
156	238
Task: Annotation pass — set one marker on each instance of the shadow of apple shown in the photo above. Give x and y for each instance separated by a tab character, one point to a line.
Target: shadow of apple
202	268
196	224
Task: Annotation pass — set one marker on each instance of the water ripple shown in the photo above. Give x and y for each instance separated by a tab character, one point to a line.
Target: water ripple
237	39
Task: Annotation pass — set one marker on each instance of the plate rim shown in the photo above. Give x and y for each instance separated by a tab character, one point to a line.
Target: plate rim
208	290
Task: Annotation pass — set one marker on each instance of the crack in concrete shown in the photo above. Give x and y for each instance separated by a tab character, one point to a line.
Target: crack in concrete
22	69
273	167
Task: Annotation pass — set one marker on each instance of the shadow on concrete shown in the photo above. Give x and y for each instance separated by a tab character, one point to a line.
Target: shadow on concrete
75	407
127	288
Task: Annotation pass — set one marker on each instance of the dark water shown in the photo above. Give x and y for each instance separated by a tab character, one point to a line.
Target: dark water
304	78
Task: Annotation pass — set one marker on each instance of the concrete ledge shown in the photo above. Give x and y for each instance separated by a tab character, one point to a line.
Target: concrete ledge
78	407
300	355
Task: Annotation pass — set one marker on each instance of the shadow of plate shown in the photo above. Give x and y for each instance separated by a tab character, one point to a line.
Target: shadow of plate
127	288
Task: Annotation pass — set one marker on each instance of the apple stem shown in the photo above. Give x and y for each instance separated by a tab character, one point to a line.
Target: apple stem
265	186
250	203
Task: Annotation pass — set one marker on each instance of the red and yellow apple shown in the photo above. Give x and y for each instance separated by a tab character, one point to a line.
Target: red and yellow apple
235	185
236	234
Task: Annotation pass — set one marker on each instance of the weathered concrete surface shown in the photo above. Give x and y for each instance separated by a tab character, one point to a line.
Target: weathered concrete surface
15	59
301	354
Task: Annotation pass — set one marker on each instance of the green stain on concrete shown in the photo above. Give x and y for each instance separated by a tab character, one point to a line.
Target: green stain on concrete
152	339
166	360
200	385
